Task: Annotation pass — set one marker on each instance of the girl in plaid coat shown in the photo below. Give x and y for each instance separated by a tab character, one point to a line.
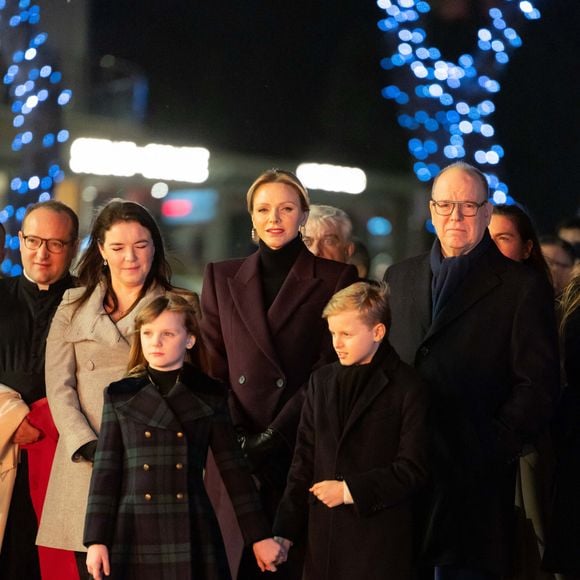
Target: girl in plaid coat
148	512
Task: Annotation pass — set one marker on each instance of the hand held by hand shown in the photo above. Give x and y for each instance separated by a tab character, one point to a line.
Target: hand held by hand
26	433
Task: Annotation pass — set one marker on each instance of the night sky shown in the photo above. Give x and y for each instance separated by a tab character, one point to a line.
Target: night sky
302	79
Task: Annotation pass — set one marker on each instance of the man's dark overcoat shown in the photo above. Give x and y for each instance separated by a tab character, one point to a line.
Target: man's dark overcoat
490	359
147	500
266	356
380	453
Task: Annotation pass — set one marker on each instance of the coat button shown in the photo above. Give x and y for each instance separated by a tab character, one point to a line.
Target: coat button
179	496
280	383
424	351
179	466
147	434
242	379
339	477
146	467
179	435
90	365
148	497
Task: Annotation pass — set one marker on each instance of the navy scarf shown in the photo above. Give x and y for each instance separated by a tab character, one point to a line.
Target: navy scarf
449	273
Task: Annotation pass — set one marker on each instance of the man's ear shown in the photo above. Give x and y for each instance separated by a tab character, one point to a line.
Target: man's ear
349	250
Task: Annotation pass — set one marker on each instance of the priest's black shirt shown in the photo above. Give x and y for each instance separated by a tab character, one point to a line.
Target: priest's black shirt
25	316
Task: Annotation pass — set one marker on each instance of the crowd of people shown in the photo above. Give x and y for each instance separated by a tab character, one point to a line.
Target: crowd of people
298	417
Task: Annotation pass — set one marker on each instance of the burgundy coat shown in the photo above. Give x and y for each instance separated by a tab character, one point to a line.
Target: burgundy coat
266	356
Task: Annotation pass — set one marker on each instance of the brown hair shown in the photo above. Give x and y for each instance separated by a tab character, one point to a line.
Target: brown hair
569	301
369	299
57	207
91	271
170	302
279	176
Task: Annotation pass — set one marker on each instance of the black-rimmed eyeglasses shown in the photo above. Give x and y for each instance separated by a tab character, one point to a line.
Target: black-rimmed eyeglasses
468	208
53	245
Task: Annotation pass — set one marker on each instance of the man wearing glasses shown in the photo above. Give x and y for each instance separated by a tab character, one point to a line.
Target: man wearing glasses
48	244
480	330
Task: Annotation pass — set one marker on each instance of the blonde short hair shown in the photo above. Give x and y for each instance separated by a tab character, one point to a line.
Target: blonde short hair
279	176
369	299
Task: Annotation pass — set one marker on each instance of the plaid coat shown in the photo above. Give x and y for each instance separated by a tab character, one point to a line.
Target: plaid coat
147	499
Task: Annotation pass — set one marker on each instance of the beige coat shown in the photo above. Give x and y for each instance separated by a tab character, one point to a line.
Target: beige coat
84	354
12	412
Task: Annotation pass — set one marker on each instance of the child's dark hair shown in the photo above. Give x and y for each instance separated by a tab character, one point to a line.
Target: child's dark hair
369	299
169	302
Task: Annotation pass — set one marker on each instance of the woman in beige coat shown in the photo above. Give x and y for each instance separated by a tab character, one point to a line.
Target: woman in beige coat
87	349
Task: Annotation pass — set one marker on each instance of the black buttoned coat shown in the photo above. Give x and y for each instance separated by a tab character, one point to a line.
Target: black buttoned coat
147	500
266	356
490	360
380	453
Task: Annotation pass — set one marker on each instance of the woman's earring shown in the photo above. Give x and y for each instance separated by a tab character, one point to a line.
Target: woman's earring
254	235
105	263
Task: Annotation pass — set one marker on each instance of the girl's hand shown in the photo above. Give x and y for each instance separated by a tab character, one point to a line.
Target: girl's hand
269	554
98	560
330	493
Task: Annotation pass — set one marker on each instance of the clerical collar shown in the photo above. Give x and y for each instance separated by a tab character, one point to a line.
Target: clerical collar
65	281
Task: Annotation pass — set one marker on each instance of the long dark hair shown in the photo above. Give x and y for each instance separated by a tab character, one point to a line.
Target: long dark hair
525	228
91	271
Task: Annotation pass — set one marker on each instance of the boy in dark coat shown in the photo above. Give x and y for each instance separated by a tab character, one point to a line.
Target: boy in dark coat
360	451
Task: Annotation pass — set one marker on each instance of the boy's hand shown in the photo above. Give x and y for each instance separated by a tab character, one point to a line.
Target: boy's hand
330	493
98	561
269	554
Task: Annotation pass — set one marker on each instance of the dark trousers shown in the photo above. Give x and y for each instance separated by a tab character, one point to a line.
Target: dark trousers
19	556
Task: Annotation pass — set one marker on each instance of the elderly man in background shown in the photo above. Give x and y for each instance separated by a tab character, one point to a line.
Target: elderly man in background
480	330
48	244
328	233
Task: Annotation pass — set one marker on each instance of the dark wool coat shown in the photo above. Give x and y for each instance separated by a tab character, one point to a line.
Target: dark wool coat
562	552
490	359
380	453
147	500
266	356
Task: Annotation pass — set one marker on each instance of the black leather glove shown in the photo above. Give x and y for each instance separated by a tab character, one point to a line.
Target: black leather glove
86	452
259	448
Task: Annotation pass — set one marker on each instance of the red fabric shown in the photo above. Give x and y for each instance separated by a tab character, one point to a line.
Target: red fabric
54	564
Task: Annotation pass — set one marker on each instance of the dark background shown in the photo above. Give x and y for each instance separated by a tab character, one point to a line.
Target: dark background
302	79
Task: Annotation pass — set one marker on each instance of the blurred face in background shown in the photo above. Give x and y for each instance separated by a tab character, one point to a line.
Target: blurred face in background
41	265
507	238
326	240
560	264
277	214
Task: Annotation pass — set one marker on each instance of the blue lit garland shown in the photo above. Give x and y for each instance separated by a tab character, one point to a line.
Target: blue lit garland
36	96
449	104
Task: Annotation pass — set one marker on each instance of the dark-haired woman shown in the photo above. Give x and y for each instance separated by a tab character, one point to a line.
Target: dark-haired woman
88	348
262	322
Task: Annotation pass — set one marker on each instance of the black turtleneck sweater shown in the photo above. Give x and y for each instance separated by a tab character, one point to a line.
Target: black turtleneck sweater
164	380
275	265
25	316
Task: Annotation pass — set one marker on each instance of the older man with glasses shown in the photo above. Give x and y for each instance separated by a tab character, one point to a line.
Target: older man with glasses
480	330
48	244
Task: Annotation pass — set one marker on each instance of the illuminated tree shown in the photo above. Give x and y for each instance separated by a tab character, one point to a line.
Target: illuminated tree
448	103
34	86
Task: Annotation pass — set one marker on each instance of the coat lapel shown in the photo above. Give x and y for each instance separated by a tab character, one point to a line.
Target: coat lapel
299	284
147	406
481	280
376	385
246	291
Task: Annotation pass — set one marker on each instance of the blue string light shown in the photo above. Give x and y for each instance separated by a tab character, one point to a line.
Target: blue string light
34	87
448	104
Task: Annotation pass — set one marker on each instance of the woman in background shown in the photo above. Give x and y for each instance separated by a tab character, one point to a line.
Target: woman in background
263	327
563	544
